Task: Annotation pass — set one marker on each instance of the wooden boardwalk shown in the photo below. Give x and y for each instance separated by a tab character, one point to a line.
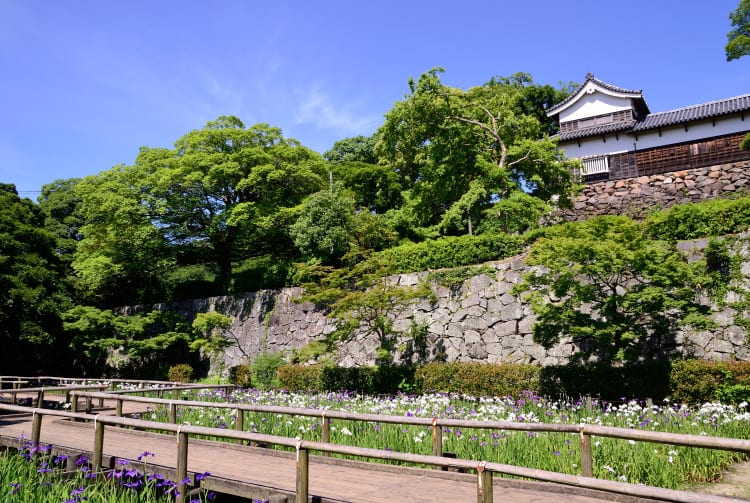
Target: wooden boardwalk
254	472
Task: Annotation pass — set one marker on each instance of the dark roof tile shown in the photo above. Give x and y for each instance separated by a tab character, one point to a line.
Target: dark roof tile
694	113
596	130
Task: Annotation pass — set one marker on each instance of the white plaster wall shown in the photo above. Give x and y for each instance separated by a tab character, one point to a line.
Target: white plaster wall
591	105
595	145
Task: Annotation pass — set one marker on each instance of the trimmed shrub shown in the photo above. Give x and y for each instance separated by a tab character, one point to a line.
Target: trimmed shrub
478	379
700	381
241	375
301	377
265	370
182	372
453	252
633	380
717	217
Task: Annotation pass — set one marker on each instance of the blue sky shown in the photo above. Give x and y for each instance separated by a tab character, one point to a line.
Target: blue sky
85	83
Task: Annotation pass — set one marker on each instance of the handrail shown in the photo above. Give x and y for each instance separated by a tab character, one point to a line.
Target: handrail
484	469
682	439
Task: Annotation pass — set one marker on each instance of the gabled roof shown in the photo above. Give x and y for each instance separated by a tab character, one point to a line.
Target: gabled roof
602	86
694	113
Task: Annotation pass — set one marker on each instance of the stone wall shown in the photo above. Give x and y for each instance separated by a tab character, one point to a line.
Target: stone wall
636	197
478	320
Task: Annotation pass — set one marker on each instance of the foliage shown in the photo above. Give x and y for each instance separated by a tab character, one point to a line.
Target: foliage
241	375
59	203
646	379
215	334
309	352
452	278
716	217
376	188
32	286
122	256
227	188
265	368
452	251
301	377
480	379
619	294
354	149
698	381
106	342
515	214
325	226
182	372
738	44
364	300
458	151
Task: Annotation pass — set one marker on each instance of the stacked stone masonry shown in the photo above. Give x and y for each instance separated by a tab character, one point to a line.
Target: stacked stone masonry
636	197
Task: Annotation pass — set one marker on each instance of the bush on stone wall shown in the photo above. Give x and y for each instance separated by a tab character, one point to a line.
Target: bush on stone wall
700	381
182	372
453	252
716	217
478	379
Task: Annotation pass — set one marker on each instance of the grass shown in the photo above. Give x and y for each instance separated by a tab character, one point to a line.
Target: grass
636	462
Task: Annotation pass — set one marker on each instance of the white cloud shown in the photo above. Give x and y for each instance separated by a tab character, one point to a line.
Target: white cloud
317	108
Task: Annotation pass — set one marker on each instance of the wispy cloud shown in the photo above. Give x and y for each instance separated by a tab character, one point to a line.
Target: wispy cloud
316	107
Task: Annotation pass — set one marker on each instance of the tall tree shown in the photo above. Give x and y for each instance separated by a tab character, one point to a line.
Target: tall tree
122	255
738	44
32	288
617	292
355	149
458	151
226	185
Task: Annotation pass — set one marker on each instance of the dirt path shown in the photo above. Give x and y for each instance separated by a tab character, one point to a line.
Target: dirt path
736	482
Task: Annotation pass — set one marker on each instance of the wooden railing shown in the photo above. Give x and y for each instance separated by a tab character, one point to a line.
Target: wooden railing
583	431
483	469
38	393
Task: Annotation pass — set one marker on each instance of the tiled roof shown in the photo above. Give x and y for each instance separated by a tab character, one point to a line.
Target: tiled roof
694	113
596	130
590	78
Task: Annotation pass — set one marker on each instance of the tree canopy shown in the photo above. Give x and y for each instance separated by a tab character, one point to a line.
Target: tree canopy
738	43
459	151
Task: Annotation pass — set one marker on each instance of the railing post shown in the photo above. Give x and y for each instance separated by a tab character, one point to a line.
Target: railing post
36	428
303	473
98	445
118	406
40	398
484	484
73	402
325	431
182	463
88	405
101	398
13	397
172	412
239	423
586	459
437	438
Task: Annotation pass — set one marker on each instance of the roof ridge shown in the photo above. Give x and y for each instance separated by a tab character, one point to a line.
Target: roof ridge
705	103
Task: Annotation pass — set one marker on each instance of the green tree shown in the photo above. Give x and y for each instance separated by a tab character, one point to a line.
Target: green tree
458	151
324	228
227	184
32	288
355	149
122	255
105	342
60	205
364	300
376	188
738	44
618	293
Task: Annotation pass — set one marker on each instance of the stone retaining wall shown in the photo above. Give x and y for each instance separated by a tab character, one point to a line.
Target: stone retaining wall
636	197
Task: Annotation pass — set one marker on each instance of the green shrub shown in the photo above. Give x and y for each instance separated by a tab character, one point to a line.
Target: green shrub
453	252
641	380
192	282
260	273
716	217
699	381
301	377
265	368
478	379
182	372
241	375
